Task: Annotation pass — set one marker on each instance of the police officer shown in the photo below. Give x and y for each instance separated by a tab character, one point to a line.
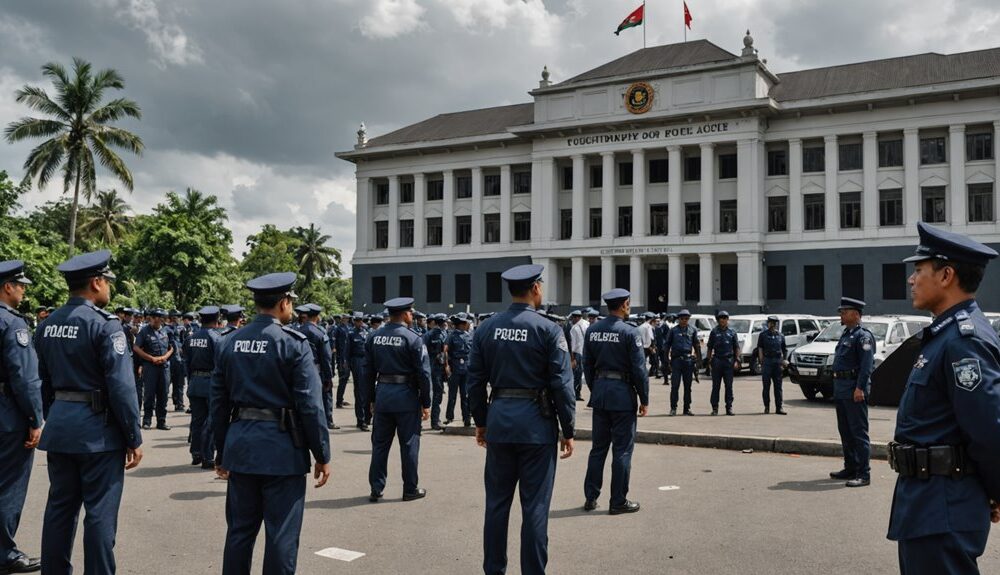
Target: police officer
660	340
343	367
92	431
615	368
154	345
434	341
20	415
723	357
524	358
399	372
852	368
771	352
419	323
234	318
947	441
267	410
457	348
575	330
176	366
685	352
321	355
200	350
355	346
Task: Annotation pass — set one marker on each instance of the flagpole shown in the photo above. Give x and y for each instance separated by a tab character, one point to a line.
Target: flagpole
644	23
684	22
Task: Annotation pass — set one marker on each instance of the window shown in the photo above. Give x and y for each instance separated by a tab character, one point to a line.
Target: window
788	327
777	162
435	231
623	276
596	222
567	177
890	207
776	283
777	214
932	151
658	219
594	284
433	288
624	221
659	171
692	282
850	157
596	176
491	228
435	190
565	224
807	325
729	281
522	226
894	286
692	218
850	210
463	288
980	202
463	230
890	153
494	287
813	159
522	182
491	185
692	168
382	194
727	216
378	289
463	187
812	277
405	286
979	146
406	192
381	235
934	209
625	174
727	166
852	281
406	233
815	211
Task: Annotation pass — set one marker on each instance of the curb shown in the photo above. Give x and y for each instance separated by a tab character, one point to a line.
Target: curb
790	445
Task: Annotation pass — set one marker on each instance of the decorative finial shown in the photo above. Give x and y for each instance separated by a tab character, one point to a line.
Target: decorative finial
362	136
748	49
544	83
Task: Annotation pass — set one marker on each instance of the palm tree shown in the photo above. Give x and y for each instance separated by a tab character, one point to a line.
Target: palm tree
315	258
77	128
106	219
197	207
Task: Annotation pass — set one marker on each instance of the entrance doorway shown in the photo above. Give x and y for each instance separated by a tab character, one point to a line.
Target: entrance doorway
656	290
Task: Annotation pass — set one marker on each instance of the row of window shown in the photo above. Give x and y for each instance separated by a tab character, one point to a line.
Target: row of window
852	282
432	292
520	183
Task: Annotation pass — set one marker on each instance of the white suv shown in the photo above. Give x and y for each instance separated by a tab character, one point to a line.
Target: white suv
797	329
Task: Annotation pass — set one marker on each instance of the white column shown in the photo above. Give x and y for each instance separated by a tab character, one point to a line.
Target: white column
748	207
706	272
607	274
959	215
831	161
636	278
749	271
477	206
537	206
708	207
579	197
869	197
419	193
549	194
549	275
795	208
639	206
393	212
609	213
448	211
675	206
505	224
911	178
364	215
577	293
675	269
996	169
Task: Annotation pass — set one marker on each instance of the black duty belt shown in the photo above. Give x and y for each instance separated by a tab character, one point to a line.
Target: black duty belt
609	374
75	396
514	393
201	373
258	414
772	355
923	462
852	374
386	378
725	357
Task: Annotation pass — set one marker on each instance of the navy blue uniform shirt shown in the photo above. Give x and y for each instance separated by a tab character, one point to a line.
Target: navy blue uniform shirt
611	345
681	340
21	400
321	349
459	345
355	343
395	349
772	343
200	350
855	352
434	339
723	343
155	342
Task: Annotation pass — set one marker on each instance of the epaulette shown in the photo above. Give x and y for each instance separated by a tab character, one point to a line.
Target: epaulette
12	311
107	315
292	331
967	328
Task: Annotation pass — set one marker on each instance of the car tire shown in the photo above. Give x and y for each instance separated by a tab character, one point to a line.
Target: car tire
809	391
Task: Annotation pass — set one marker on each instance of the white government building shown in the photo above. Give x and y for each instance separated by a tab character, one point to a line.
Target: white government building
691	176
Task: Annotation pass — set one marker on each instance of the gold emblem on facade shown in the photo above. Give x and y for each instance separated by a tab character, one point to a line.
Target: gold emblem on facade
639	98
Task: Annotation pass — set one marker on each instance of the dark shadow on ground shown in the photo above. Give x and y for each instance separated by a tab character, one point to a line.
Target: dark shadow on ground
344	503
196	495
808	486
146	472
358	451
576	512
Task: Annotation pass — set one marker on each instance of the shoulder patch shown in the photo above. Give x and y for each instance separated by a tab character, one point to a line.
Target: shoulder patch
968	373
23	337
962	315
967	328
119	342
638	341
294	332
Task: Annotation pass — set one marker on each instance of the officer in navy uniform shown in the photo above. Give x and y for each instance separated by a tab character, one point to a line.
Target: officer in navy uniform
92	433
155	346
684	350
399	372
660	340
524	358
343	366
723	356
20	415
355	351
457	348
434	341
852	368
321	355
615	367
947	440
234	318
771	350
176	367
200	350
267	410
419	323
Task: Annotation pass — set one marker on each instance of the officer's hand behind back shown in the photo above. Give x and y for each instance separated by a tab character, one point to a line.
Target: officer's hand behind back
133	457
643	410
995	511
566	447
425	414
321	473
34	435
481	436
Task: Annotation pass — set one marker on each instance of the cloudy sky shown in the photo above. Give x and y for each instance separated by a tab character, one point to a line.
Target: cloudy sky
250	99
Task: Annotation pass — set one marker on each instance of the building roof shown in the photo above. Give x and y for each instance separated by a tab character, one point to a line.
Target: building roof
656	58
460	125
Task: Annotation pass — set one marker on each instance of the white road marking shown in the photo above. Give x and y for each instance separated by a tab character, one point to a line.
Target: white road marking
340	554
670	488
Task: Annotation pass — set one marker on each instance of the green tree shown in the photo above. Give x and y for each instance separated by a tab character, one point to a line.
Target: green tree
77	127
315	258
271	250
106	219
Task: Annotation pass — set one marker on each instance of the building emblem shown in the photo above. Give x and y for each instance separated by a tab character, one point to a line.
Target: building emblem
639	98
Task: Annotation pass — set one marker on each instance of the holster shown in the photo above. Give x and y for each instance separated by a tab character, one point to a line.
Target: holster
289	422
545	404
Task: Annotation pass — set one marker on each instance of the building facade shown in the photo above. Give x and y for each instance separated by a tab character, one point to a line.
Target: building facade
691	176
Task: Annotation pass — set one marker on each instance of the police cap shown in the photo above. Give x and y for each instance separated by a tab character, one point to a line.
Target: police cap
615	296
591	312
375	318
683	313
358	316
88	265
648	316
772	318
156	312
209	311
399	304
939	244
276	283
523	276
419	315
232	311
13	271
302	309
851	303
576	313
721	314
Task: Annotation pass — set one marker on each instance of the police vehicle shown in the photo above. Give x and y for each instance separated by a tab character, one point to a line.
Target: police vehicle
797	329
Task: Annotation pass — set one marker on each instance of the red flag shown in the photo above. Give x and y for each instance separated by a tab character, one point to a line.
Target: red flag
687	16
634	19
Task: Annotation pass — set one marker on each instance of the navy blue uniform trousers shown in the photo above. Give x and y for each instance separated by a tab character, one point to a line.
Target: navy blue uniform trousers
155	382
276	500
852	422
534	468
202	440
343	374
406	426
770	373
722	372
95	481
578	374
15	470
328	403
458	388
178	377
362	408
681	368
437	394
615	429
942	554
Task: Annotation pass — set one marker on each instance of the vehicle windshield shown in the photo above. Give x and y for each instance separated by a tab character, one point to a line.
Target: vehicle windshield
704	324
740	325
833	331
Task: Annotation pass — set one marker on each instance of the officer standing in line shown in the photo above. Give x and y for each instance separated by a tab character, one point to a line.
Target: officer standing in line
419	323
234	318
524	358
399	372
356	356
20	415
852	369
321	355
155	347
654	356
267	410
126	316
200	350
434	341
174	330
457	348
685	353
660	337
576	328
92	431
771	352
615	366
723	356
343	367
947	440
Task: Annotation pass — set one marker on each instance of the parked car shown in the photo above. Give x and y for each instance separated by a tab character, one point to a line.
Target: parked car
994	321
798	330
811	365
704	324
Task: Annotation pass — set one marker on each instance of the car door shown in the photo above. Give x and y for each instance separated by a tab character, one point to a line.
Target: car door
808	330
791	333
